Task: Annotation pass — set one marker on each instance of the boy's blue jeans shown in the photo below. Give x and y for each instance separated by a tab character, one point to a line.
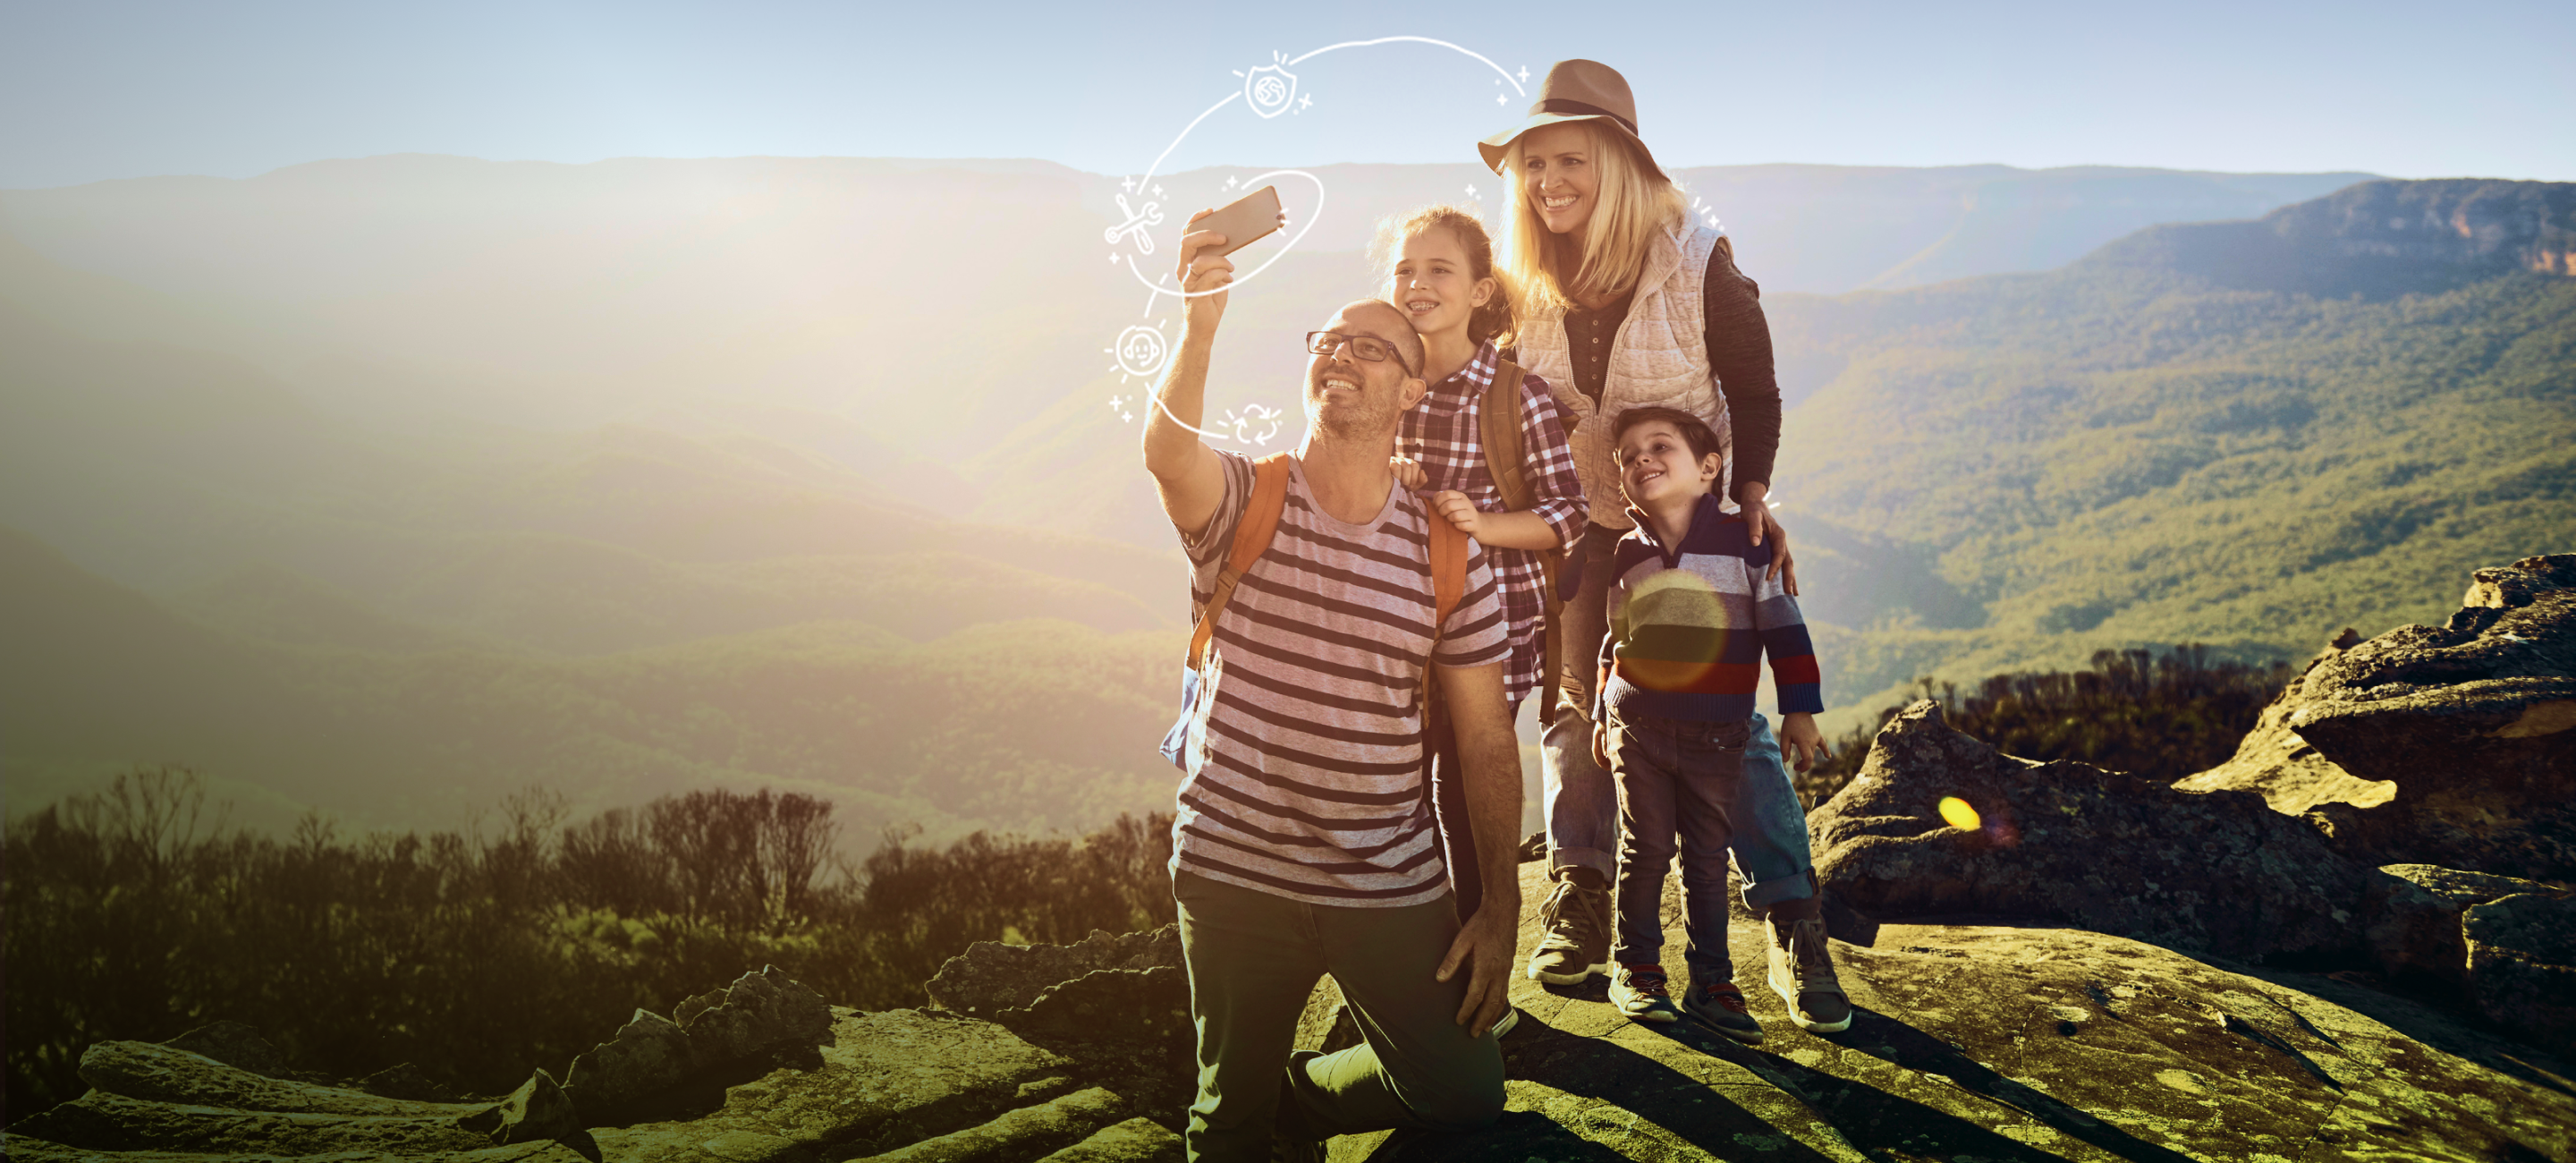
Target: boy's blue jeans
1582	807
1677	782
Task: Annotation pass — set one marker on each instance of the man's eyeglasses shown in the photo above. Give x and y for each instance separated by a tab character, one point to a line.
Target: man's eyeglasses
1367	347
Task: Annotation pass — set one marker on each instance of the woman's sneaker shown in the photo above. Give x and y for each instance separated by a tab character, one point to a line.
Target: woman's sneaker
1639	993
1720	1006
1802	973
1577	941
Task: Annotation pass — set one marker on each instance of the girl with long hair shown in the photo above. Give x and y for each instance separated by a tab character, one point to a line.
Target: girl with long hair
1438	268
1625	302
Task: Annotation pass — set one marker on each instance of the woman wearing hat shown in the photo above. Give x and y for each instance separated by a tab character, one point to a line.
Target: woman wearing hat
1627	303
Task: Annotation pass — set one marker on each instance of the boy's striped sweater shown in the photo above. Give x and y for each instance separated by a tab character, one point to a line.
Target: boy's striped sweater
1688	628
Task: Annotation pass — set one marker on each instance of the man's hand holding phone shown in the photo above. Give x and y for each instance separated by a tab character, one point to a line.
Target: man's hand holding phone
1204	267
1213	235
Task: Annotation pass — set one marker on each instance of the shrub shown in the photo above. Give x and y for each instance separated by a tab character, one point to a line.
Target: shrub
2165	717
482	956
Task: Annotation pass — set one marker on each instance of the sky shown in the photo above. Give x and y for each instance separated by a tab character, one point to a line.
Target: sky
95	91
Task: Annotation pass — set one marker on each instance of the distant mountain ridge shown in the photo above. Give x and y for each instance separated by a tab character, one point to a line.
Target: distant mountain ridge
2378	238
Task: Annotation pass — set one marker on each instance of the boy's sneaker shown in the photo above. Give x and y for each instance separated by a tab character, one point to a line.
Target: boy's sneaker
1720	1006
1802	973
1503	1025
1639	993
1577	942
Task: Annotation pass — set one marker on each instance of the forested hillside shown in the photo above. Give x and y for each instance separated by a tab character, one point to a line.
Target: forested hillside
2150	447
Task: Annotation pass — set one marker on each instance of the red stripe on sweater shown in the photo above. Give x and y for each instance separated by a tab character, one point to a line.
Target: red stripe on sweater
1695	678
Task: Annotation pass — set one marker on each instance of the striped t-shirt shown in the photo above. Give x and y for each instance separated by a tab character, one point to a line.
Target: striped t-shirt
1308	781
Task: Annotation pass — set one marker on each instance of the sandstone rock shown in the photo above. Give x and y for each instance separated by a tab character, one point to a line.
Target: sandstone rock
991	977
758	1012
101	1121
20	1149
536	1112
163	1073
2475	722
1024	1133
883	1081
1122	1005
2414	913
233	1044
1119	1005
2217	872
406	1081
2522	965
2287	771
649	1055
1138	1140
753	1147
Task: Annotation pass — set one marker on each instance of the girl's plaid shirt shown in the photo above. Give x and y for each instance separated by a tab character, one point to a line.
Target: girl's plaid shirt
1441	434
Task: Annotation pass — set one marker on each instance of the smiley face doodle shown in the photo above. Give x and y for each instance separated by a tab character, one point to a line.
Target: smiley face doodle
1140	350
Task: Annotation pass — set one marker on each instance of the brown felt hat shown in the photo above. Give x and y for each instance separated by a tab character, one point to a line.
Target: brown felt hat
1576	90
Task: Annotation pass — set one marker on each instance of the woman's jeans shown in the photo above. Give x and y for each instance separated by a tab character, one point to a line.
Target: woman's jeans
1582	808
1677	788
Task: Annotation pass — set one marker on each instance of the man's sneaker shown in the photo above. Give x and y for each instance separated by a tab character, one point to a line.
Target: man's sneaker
1503	1025
1802	973
1288	1141
1638	992
1577	942
1284	1149
1720	1006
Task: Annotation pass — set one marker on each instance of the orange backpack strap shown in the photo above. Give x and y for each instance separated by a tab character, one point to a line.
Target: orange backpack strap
1252	536
1448	573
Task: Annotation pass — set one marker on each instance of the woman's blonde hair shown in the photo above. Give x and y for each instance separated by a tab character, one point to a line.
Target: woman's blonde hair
1631	204
1491	321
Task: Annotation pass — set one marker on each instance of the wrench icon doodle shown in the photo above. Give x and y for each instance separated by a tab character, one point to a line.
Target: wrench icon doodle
1136	223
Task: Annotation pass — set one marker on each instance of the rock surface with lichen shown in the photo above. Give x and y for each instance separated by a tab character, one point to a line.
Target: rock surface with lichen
2472	721
2214	872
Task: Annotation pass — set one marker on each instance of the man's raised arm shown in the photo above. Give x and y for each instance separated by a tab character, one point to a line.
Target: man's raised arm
1187	476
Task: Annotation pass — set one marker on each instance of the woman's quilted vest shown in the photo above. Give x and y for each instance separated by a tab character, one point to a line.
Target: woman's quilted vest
1658	358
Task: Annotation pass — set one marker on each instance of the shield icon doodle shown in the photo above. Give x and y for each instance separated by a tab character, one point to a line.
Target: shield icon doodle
1269	89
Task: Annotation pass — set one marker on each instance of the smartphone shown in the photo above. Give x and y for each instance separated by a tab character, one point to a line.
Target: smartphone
1243	220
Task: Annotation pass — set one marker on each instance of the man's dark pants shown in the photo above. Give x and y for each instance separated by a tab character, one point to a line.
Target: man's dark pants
1254	959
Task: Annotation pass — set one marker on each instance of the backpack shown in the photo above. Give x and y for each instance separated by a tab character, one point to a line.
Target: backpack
1499	432
1251	538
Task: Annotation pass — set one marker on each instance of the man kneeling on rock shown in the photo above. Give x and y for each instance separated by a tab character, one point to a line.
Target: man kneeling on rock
1303	843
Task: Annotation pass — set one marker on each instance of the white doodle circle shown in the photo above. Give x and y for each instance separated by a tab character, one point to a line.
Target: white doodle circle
1268	91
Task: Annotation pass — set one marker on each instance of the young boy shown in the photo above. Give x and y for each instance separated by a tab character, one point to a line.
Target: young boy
1691	615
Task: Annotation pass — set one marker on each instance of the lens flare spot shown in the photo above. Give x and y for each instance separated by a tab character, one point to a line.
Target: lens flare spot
1956	813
